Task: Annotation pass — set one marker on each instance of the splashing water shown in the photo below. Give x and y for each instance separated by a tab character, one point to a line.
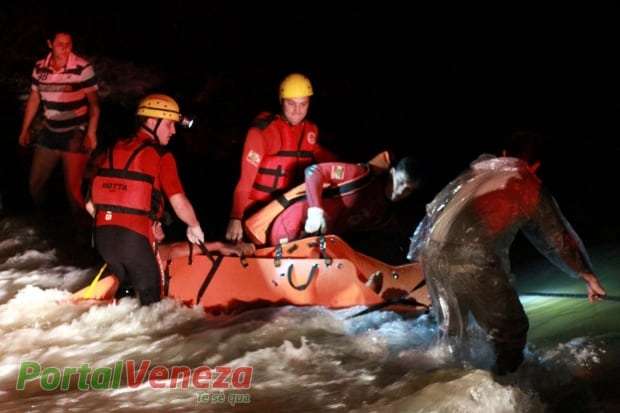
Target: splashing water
303	359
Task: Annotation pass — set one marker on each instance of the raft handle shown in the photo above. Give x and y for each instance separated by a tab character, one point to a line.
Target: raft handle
289	274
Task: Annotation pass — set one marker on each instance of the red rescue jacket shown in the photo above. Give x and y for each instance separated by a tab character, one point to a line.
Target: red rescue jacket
278	170
125	189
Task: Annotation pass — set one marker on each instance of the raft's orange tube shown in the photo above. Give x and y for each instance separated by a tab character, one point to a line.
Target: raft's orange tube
312	271
303	277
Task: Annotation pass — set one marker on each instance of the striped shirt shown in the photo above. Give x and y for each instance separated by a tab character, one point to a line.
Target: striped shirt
63	92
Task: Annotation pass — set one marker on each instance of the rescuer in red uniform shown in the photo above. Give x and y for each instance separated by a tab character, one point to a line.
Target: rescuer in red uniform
127	196
276	151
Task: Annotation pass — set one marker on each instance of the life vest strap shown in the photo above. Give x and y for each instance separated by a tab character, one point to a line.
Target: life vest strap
296	154
135	153
132	175
124	210
269	171
264	188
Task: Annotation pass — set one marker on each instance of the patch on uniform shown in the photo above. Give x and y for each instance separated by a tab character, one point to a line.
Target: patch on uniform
253	158
337	172
108	216
311	138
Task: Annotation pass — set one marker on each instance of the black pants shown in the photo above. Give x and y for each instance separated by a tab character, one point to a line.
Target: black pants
131	258
461	282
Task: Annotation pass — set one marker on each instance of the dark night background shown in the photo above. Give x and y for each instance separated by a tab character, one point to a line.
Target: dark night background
445	85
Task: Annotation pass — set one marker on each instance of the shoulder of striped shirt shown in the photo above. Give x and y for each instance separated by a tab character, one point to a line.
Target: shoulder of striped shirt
40	63
79	62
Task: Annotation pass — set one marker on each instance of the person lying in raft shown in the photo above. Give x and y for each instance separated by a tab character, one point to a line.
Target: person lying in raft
342	197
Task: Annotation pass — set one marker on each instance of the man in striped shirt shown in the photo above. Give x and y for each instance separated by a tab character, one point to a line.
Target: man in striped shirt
67	87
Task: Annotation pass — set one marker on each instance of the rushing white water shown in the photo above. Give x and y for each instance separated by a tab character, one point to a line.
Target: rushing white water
303	359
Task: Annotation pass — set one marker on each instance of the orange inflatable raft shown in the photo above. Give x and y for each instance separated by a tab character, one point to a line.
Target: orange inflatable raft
321	271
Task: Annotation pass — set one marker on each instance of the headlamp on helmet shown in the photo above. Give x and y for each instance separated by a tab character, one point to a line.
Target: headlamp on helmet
187	121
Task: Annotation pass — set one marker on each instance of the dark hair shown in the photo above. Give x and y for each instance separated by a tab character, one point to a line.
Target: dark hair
525	144
60	27
417	170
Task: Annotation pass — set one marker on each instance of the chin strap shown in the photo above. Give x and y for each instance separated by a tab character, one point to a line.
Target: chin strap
154	130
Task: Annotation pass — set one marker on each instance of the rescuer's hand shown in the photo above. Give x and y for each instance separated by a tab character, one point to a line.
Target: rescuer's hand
596	292
195	235
234	232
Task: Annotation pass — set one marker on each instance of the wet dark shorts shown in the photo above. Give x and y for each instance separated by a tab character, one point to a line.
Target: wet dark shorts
70	141
132	259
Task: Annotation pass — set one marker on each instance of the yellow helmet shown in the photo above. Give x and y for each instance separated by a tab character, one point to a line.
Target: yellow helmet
295	86
159	106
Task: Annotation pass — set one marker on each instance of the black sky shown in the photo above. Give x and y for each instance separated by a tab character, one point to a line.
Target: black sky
445	83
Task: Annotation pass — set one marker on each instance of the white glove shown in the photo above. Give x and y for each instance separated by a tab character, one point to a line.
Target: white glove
315	221
195	235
